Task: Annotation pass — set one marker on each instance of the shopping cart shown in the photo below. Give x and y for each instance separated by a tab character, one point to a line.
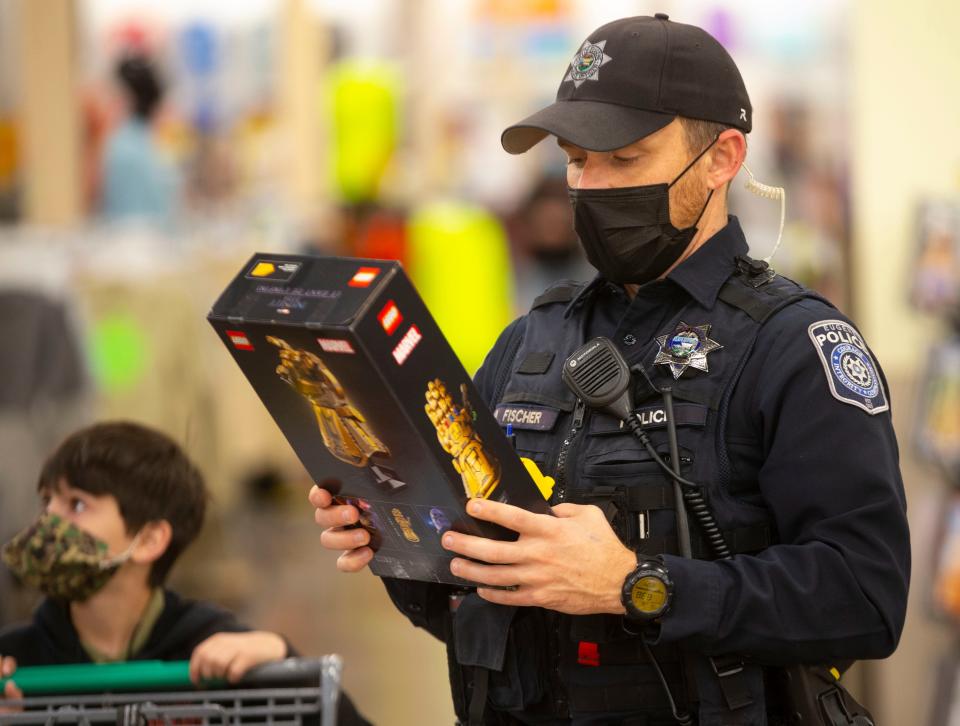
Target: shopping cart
292	691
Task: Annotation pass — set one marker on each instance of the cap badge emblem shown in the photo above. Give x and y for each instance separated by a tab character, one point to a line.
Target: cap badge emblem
586	64
686	347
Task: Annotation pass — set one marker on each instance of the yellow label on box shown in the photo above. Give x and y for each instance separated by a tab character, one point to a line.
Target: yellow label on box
263	269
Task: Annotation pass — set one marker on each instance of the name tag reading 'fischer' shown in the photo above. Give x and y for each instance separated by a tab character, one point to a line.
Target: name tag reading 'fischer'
533	418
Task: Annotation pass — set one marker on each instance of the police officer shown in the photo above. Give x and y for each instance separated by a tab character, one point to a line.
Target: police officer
782	424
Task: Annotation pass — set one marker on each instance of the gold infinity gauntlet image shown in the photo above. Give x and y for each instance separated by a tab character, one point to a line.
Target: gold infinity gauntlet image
480	472
345	432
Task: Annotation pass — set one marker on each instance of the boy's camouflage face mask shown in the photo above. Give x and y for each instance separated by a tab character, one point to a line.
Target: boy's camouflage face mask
60	559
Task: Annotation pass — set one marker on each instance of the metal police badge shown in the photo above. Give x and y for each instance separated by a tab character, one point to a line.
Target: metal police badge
585	65
850	369
687	347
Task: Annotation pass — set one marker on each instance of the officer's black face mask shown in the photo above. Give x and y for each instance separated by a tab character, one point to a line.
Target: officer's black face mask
627	233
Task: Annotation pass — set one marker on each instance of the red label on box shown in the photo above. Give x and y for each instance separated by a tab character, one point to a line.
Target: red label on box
239	339
406	345
335	345
390	317
364	276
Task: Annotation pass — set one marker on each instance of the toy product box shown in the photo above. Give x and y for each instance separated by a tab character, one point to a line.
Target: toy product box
352	367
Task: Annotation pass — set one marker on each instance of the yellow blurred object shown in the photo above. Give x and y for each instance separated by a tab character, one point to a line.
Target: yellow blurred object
523	11
263	269
363	103
460	263
544	483
836	673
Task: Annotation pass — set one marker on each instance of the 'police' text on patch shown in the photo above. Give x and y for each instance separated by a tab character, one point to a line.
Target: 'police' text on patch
851	372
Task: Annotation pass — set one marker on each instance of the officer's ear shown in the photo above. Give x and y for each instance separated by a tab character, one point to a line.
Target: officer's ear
151	542
725	158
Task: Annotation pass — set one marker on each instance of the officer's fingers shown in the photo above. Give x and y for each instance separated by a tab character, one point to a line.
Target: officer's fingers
572	510
481	548
522	596
591	516
354	560
498	575
511	517
337	515
344	539
319	497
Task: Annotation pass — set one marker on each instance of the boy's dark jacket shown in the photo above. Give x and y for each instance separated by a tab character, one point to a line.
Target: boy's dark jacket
52	640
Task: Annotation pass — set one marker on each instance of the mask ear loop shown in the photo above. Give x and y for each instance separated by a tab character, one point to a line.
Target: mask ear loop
769	192
695	160
686	169
123	557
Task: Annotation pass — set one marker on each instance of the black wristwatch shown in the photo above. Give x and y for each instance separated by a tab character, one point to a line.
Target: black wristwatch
647	591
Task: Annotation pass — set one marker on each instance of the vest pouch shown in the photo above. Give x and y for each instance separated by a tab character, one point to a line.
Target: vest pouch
510	645
523	681
618	469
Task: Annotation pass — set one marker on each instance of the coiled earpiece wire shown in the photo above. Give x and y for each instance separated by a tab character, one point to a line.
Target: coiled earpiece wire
768	191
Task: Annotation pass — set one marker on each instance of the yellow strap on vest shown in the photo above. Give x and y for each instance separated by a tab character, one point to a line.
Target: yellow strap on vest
544	483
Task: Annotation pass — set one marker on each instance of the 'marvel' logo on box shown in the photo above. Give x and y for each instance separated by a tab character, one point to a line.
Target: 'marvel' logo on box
406	345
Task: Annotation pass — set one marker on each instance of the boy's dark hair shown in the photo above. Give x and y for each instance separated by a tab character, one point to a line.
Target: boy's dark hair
144	470
138	76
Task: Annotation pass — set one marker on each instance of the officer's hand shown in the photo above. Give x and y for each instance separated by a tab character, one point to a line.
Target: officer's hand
334	518
573	563
10	691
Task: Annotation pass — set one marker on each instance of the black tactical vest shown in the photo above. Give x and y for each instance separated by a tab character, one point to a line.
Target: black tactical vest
602	667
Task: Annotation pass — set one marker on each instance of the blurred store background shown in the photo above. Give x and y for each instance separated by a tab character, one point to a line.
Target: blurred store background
147	149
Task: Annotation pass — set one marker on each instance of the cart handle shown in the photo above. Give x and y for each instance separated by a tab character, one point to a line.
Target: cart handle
152	675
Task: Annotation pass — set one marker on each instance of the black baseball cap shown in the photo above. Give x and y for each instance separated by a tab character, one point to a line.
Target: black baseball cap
632	77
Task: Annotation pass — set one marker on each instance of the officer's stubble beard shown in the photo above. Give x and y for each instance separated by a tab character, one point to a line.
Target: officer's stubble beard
687	198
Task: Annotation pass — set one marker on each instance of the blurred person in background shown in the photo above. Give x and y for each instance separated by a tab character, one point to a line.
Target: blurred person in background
138	181
546	244
45	392
797	560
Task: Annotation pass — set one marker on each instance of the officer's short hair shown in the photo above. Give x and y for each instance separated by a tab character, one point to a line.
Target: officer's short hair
700	134
146	471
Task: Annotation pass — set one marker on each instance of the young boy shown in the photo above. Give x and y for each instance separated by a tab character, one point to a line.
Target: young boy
121	503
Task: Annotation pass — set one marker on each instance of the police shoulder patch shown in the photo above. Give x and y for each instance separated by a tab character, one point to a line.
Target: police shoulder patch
851	373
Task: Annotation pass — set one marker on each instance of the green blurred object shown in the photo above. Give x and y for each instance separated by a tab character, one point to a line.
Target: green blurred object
460	263
103	677
363	109
118	351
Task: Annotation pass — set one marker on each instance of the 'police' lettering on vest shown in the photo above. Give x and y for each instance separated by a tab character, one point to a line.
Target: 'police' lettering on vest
839	333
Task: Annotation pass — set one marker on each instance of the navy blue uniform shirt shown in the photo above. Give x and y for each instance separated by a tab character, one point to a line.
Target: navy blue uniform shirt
835	586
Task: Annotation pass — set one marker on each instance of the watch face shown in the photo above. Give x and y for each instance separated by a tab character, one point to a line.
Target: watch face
649	594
